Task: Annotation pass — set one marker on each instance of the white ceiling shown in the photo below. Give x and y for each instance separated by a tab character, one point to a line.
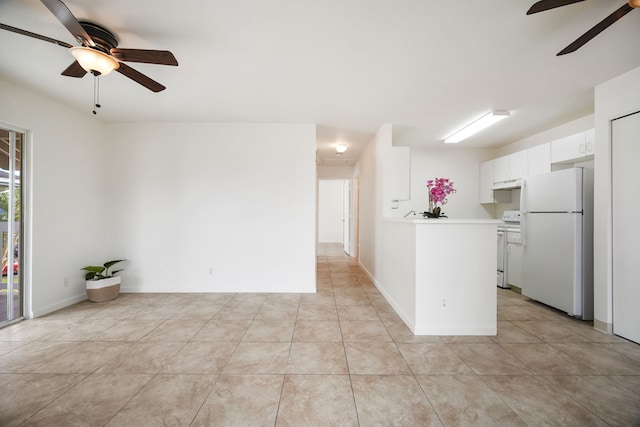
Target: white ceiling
427	66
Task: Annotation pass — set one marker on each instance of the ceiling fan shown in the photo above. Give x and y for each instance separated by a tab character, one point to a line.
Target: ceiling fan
98	53
543	5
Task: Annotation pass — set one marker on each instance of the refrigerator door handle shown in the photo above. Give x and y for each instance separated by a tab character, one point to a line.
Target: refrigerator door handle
523	213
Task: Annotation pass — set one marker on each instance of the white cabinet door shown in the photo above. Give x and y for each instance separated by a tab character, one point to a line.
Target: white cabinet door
487	195
569	148
539	159
625	146
486	182
511	167
518	167
400	173
590	142
501	169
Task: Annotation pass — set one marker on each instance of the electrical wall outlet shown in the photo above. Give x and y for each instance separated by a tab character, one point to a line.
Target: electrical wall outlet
67	282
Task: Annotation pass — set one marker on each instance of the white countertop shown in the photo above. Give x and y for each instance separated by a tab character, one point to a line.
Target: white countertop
420	220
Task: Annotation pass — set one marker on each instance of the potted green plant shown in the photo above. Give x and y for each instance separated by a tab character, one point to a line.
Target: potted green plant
101	283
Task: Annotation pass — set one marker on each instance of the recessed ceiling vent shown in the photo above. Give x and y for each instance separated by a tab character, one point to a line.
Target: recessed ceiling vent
335	162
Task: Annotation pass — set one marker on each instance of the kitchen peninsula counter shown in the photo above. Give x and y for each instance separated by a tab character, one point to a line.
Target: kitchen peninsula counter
443	220
439	274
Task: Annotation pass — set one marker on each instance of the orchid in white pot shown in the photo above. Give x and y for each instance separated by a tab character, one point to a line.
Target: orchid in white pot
439	189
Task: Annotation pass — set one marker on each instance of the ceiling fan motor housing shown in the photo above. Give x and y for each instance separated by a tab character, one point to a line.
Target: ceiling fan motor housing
104	39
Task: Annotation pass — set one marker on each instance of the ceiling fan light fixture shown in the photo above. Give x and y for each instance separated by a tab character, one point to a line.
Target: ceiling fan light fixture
634	3
94	61
476	126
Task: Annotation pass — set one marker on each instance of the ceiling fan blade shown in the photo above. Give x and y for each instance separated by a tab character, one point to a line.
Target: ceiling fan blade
138	77
597	29
74	70
161	57
543	5
64	15
34	35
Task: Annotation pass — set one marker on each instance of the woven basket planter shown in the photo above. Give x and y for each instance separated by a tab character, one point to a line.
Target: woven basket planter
104	289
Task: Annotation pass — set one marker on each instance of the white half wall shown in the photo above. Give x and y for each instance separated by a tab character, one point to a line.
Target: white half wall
202	207
613	99
65	204
388	249
459	164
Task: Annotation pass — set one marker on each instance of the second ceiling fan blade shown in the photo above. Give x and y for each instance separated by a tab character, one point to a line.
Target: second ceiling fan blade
597	29
138	77
74	70
543	5
34	35
64	15
161	57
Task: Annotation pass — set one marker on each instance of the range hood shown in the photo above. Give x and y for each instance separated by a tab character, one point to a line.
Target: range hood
507	185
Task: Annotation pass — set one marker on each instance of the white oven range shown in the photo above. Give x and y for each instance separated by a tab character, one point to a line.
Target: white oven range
508	232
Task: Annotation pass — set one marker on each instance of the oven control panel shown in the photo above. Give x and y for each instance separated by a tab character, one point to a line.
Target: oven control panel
511	216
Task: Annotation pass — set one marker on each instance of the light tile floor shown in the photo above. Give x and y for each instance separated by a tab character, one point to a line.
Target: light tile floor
339	357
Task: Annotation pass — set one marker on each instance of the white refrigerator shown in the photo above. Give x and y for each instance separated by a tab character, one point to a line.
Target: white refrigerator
557	229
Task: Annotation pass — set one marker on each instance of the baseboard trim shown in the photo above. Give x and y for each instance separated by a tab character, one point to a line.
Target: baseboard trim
406	319
57	305
601	326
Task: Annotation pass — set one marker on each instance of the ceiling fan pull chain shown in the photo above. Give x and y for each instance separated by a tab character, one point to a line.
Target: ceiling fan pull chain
96	92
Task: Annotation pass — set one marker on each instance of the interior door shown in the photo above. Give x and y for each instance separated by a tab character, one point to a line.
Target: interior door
346	217
625	146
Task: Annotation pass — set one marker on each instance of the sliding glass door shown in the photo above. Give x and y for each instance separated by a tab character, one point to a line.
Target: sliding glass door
11	290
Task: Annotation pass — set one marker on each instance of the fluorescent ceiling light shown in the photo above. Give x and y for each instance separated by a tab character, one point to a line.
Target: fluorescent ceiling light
341	148
476	126
93	60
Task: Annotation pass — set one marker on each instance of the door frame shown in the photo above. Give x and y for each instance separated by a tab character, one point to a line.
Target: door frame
26	220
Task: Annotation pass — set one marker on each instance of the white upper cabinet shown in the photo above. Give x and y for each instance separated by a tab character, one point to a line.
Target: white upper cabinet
400	173
590	142
501	169
539	159
518	165
573	147
487	195
486	182
501	173
511	167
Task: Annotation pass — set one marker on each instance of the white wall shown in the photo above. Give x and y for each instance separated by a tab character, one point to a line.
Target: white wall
174	199
613	99
460	165
368	170
335	172
330	211
203	207
65	200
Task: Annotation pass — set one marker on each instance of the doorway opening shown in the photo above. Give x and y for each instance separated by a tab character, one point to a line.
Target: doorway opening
11	225
335	213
